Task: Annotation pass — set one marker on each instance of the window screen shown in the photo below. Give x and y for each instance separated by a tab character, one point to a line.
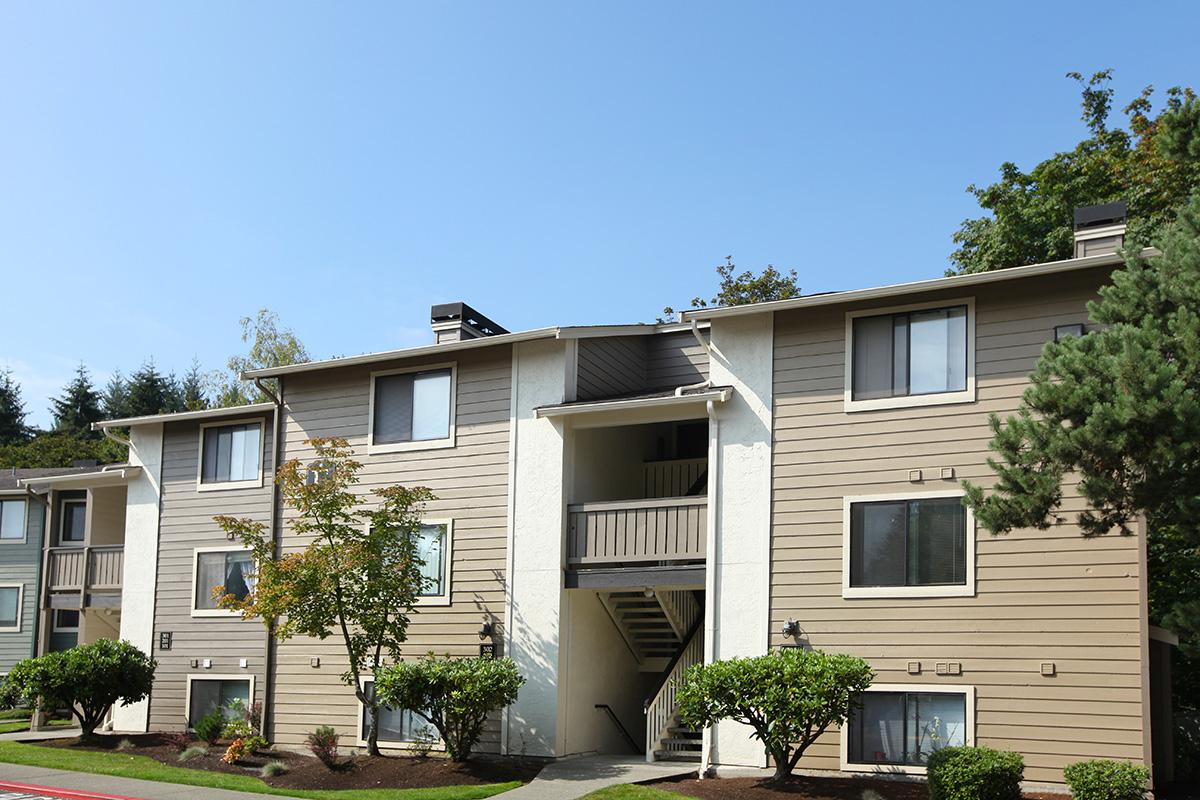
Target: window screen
905	728
914	353
908	543
12	519
231	453
412	407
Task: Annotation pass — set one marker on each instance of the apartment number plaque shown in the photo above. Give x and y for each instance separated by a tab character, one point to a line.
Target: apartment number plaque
164	640
487	650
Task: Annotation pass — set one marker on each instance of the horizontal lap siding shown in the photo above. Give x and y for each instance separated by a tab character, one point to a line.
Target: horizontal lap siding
1041	595
470	481
19	562
185	524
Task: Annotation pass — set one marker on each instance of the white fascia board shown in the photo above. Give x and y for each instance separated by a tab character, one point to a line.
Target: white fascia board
183	416
716	395
104	477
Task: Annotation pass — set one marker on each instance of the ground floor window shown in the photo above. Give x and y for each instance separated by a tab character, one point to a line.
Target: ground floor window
218	692
396	725
903	728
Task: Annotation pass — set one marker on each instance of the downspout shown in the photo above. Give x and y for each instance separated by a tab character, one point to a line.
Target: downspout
273	518
710	562
705	384
108	434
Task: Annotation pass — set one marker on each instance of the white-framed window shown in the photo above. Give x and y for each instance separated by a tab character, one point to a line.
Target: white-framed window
66	620
434	545
412	408
12	521
231	455
397	727
207	692
229	567
72	522
914	355
898	726
12	603
916	544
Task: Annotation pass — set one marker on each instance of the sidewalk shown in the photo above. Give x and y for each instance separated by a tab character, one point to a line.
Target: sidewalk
575	777
120	787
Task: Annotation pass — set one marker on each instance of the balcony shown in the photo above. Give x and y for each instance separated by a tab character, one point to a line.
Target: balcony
637	531
85	569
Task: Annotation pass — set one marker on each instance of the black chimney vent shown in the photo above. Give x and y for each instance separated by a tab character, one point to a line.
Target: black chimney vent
467	316
1099	216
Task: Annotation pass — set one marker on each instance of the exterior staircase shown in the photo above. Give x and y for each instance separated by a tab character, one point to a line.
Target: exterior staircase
653	624
681	743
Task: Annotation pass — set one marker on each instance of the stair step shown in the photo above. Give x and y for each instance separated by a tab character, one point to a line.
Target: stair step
675	755
687	744
687	733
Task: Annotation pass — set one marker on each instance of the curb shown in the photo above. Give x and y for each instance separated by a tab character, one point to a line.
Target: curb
64	794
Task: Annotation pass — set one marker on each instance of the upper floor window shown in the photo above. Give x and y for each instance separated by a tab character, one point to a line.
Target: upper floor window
231	455
12	520
433	549
917	355
10	607
916	545
412	409
72	523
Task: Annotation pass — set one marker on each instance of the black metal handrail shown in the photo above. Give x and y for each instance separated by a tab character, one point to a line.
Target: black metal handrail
616	721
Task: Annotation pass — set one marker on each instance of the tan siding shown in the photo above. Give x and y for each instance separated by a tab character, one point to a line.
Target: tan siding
1041	595
611	366
186	524
675	359
470	481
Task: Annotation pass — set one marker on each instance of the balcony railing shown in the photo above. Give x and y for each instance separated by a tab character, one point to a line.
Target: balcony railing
664	529
78	569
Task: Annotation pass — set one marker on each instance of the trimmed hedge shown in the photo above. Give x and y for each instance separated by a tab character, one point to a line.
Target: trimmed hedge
975	773
1107	780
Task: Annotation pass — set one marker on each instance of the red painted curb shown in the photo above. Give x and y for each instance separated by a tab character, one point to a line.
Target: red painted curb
65	794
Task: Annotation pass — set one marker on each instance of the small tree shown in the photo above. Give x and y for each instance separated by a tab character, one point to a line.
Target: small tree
789	697
454	695
746	287
270	346
88	679
359	572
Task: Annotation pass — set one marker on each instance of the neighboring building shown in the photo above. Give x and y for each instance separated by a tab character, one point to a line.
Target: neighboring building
615	503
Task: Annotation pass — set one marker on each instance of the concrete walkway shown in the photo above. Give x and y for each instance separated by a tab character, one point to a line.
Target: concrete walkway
575	777
110	785
38	736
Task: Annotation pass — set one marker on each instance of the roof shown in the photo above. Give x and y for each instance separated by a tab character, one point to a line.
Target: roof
184	416
10	478
667	397
112	475
898	289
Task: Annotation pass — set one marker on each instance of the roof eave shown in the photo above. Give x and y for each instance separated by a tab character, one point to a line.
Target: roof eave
717	395
184	416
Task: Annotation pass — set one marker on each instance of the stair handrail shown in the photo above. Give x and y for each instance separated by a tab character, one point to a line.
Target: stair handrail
620	726
660	707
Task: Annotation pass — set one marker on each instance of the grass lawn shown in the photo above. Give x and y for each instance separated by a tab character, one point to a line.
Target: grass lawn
629	791
16	726
147	769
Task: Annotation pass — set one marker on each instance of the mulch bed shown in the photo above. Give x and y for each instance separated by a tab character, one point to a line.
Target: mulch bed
806	788
305	772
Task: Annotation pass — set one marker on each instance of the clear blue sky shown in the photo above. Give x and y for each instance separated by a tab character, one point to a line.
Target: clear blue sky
166	168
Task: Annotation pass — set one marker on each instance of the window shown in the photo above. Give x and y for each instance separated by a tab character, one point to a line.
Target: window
12	520
217	691
66	620
431	547
233	570
10	607
918	544
412	409
898	728
916	355
72	522
396	726
231	455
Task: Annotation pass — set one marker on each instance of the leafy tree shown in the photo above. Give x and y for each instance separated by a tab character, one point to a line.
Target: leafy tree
48	450
78	407
1154	166
359	573
270	347
88	679
115	400
454	695
192	390
12	410
745	287
789	697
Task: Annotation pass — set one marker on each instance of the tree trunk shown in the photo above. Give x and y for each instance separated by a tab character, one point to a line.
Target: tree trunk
373	738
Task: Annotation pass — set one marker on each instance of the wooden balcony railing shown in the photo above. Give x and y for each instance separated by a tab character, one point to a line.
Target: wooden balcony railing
663	529
78	569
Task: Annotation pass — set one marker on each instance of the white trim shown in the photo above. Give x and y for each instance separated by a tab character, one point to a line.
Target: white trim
1102	232
719	395
183	416
911	400
224	676
422	444
964	590
54	626
436	744
62	504
968	693
212	612
444	598
107	476
221	486
20	587
24	518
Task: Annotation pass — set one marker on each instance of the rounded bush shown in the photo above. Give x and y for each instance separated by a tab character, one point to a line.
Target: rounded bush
1107	780
975	773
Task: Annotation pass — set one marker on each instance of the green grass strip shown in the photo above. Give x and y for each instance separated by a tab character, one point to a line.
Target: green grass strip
630	791
144	768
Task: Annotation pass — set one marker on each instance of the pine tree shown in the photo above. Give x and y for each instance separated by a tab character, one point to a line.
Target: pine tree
78	407
150	392
116	397
192	389
12	410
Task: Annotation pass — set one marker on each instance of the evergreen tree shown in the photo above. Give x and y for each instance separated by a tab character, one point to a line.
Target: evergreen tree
12	410
150	392
191	389
116	397
78	407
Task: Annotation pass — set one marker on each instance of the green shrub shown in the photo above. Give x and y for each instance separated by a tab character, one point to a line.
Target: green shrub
124	745
1107	780
197	751
273	768
211	726
454	695
975	773
323	743
789	697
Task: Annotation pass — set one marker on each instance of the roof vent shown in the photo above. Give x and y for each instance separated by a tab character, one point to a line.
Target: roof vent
456	322
1099	229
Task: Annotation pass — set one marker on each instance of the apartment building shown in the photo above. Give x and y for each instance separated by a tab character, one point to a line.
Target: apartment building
615	503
